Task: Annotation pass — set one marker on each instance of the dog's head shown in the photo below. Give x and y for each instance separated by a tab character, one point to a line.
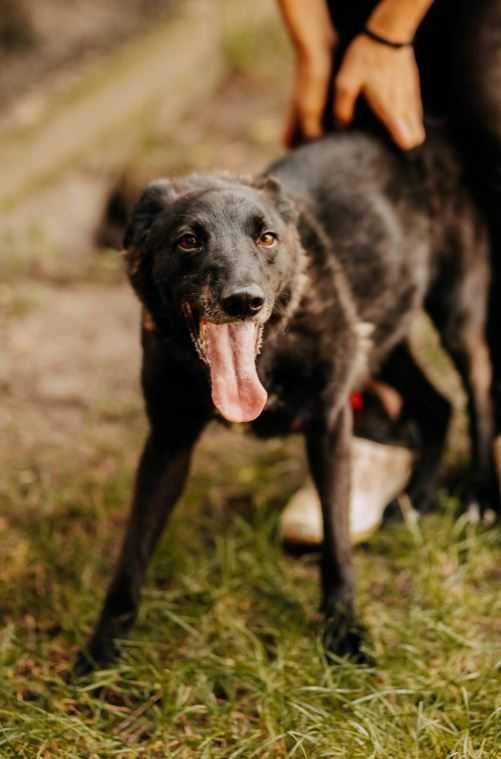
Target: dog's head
217	258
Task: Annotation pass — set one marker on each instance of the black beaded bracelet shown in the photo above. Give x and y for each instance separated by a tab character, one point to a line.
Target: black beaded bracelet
383	41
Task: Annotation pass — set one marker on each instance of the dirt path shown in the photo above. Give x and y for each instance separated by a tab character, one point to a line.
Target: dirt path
75	353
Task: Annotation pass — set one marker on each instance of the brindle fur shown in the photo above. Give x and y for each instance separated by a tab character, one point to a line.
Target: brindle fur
367	237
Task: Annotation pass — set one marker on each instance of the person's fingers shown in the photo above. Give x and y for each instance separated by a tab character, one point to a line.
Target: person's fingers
406	133
310	91
415	129
410	130
311	123
304	122
415	115
310	106
405	126
347	90
292	129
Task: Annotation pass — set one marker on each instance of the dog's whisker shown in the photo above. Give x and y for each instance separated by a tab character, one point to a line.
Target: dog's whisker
197	336
259	342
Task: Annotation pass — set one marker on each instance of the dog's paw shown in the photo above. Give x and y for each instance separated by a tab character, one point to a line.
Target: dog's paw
347	638
483	503
92	658
82	666
422	497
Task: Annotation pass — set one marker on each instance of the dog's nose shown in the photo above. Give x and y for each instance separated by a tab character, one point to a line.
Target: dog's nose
246	301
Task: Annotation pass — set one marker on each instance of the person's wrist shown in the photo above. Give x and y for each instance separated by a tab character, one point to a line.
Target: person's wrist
315	60
315	50
397	20
394	29
386	41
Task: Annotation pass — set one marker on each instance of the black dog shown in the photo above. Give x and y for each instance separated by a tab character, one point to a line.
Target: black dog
270	301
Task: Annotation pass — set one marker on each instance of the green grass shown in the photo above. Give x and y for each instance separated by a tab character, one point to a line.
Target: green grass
226	660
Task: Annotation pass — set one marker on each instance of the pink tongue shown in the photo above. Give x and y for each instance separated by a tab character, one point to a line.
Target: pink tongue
237	392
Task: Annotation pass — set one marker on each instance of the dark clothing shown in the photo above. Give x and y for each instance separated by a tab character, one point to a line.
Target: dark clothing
432	43
458	51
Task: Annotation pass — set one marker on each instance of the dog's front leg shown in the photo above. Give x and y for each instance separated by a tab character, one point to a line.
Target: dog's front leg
161	476
329	443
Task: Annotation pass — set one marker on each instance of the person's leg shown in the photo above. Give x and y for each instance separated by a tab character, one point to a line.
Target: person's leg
475	115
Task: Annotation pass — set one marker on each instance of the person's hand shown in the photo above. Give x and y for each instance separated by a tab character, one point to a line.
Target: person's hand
311	83
388	79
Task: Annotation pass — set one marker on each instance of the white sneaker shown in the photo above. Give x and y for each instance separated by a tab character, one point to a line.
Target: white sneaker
379	474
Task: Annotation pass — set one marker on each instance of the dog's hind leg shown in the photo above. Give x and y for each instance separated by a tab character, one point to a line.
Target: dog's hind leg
462	334
329	453
161	476
424	406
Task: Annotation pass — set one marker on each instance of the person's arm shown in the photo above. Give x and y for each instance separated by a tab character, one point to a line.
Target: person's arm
313	37
388	78
398	20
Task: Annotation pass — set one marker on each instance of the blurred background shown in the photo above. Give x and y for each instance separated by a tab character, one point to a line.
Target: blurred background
96	99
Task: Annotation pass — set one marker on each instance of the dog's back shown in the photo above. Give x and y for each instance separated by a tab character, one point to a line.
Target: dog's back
386	235
390	221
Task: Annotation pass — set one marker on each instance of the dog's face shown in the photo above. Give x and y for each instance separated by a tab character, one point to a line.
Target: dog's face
216	258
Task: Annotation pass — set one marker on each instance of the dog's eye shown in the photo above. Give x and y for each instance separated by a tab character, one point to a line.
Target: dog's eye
189	242
267	240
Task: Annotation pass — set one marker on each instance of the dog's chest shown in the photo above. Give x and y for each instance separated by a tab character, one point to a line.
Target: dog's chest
294	376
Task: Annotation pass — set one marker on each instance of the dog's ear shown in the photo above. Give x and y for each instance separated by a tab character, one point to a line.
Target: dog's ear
272	187
153	200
